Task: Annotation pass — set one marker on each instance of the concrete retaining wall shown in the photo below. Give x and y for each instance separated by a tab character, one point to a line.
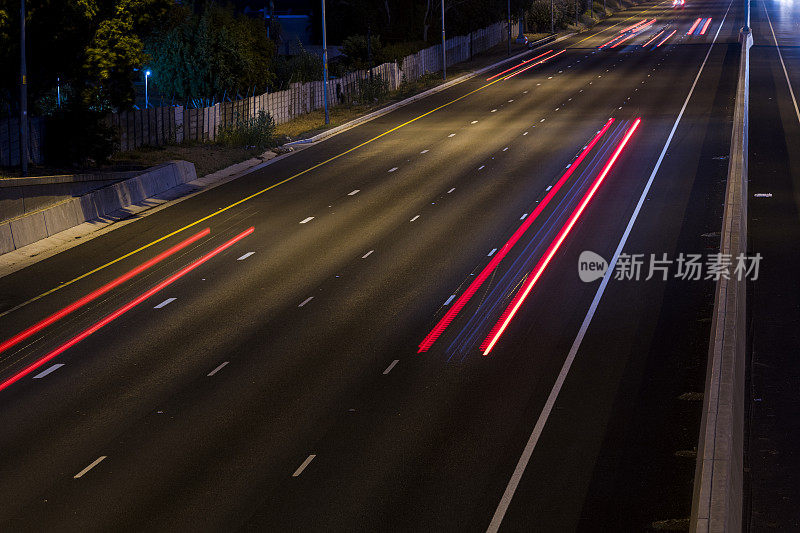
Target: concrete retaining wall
718	482
105	202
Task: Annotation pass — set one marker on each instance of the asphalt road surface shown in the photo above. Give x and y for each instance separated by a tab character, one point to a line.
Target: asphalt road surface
277	385
774	232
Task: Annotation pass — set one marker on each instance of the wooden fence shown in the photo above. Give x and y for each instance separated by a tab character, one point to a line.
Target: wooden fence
162	125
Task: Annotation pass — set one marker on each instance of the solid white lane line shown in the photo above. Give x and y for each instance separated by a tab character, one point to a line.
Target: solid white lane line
391	366
53	368
505	501
91	465
304	465
415	218
451	190
304	302
492	252
353	193
452	296
165	302
392	169
245	256
220	367
367	254
780	56
306	220
424	151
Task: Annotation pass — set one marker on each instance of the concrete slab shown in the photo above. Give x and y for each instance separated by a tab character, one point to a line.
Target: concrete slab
59	217
28	229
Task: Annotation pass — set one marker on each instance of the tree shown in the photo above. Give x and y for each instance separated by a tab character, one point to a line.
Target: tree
92	45
210	52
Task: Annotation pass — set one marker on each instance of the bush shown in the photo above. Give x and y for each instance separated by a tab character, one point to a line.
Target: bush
539	17
373	90
78	137
258	131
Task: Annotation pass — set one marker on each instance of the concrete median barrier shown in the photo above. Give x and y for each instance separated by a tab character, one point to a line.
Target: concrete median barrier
718	483
105	203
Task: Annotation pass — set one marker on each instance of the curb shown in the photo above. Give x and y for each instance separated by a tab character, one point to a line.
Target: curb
718	481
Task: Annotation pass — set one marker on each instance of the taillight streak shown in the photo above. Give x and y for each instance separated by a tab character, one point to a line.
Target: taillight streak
623	40
666	38
632	27
517	66
473	287
511	310
694	26
122	310
654	38
705	27
58	315
548	58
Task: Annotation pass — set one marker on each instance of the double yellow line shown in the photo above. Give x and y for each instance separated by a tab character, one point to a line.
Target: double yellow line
290	178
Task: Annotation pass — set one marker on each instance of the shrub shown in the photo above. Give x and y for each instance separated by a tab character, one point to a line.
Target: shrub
78	137
258	131
373	90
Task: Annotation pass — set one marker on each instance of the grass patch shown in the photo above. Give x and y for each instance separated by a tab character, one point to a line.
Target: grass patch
674	524
207	157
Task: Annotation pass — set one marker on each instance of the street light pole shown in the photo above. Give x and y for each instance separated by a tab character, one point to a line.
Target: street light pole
508	23
146	99
23	93
444	52
552	18
325	66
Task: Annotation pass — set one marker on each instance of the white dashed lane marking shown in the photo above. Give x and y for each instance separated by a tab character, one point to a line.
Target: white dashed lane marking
451	190
50	370
415	218
353	193
91	465
492	252
304	465
220	367
306	220
245	256
392	169
391	366
304	302
452	297
165	303
367	254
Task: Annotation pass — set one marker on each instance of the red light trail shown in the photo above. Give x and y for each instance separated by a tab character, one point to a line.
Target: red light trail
511	310
122	310
533	65
515	66
459	304
58	315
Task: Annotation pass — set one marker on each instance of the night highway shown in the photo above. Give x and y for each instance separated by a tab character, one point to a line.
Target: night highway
388	330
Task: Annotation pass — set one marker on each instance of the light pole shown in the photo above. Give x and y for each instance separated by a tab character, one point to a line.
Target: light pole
146	100
325	65
444	52
508	24
23	94
553	18
58	91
